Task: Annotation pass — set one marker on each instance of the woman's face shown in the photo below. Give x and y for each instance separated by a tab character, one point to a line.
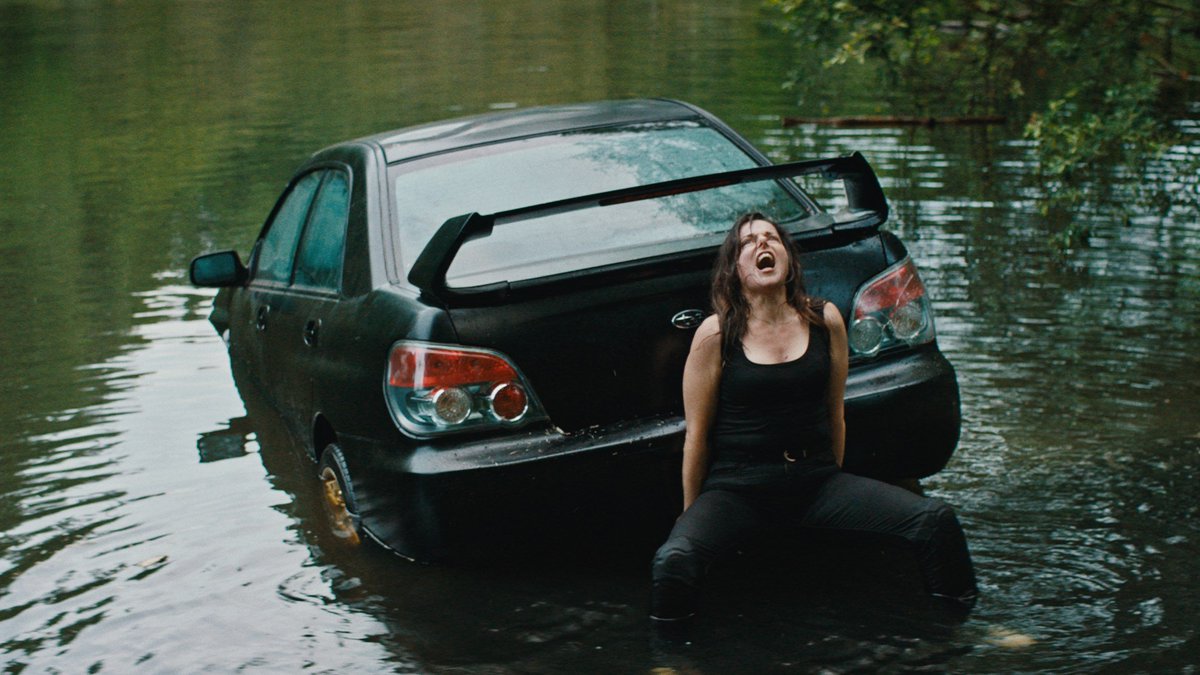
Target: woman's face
762	260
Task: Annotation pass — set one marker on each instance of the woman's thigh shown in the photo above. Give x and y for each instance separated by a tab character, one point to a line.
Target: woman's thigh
851	503
717	521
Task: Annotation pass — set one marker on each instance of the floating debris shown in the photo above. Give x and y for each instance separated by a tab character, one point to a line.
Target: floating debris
1009	639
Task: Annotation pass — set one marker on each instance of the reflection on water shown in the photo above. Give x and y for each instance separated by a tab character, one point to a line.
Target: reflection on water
235	440
125	540
152	515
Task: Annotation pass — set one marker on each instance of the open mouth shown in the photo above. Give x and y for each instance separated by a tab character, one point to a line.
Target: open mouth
765	261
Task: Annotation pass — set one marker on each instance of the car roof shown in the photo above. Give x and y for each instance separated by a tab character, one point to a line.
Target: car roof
435	137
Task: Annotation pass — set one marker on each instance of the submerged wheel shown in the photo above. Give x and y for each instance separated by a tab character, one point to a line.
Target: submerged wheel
337	496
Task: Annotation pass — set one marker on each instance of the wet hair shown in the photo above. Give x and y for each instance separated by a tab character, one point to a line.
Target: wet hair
730	304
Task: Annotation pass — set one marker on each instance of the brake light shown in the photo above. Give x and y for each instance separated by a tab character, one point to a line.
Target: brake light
434	389
889	310
421	367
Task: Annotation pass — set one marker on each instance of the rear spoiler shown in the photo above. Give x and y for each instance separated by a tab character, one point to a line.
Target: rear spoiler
865	202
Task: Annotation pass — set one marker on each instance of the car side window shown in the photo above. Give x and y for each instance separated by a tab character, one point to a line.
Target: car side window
319	260
279	243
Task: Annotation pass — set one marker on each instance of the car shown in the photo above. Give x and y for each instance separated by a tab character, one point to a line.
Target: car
477	327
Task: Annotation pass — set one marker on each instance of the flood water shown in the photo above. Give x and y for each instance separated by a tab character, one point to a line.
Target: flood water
154	518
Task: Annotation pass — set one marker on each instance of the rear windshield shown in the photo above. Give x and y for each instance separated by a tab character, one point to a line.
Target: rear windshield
508	175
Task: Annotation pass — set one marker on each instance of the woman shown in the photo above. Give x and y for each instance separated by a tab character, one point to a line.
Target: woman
763	391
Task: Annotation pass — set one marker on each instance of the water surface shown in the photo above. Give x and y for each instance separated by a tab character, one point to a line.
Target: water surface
154	517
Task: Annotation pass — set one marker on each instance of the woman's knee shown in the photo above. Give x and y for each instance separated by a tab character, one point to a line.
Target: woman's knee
678	559
937	521
941	513
677	572
944	555
940	527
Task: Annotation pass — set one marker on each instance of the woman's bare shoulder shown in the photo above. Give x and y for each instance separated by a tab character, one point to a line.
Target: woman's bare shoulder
833	318
710	326
708	334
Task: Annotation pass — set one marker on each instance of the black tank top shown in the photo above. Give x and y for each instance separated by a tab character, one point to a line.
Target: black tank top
764	410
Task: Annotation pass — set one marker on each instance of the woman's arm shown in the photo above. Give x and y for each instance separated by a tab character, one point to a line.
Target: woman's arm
839	365
701	378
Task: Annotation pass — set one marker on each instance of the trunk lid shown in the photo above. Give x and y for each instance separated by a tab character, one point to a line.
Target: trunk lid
598	354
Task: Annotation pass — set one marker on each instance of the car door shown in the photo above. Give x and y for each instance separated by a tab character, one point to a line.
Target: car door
283	311
319	311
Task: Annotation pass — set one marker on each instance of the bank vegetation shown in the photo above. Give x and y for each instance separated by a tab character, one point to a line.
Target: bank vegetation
1106	90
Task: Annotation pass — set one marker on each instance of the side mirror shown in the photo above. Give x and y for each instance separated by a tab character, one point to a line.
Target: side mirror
223	268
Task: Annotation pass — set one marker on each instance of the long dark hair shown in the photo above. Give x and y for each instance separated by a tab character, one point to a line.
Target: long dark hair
730	304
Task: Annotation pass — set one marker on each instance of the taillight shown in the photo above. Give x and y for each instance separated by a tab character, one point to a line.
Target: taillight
433	389
889	310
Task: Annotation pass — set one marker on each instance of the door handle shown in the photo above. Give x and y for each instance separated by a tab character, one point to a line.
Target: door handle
260	317
311	332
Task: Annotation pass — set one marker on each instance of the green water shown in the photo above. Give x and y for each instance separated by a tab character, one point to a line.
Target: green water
148	521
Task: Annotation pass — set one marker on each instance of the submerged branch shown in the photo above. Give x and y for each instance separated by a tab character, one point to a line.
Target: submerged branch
893	121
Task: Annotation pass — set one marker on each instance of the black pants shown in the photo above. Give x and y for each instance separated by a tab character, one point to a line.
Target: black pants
739	500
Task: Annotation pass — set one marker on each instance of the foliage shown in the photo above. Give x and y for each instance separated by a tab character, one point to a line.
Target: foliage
1078	146
1098	80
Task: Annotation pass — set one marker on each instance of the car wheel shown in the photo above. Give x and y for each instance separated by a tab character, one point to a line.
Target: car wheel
337	496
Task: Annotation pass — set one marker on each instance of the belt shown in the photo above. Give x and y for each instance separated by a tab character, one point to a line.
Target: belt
791	455
806	453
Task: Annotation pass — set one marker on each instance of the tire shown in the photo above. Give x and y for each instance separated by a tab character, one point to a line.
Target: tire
337	496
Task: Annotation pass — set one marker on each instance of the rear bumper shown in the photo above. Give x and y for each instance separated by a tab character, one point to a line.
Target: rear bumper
902	416
488	495
510	494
